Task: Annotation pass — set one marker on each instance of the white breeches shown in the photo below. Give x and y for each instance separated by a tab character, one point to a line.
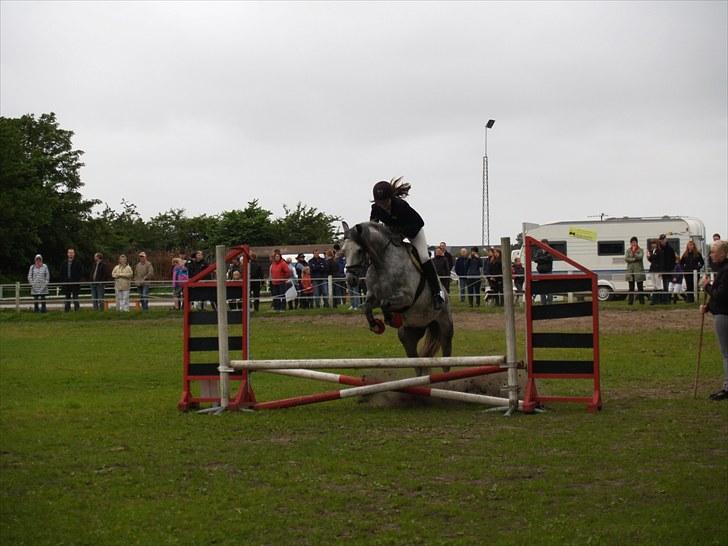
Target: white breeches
419	241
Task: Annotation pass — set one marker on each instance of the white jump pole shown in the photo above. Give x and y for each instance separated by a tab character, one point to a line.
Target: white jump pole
435	393
421	362
222	327
510	319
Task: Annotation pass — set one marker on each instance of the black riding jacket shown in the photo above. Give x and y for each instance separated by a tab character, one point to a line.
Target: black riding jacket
402	218
718	290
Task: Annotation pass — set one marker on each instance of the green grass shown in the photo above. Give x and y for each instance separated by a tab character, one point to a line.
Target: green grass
93	450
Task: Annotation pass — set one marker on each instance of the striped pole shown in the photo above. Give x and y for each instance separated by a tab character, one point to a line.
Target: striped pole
420	391
410	385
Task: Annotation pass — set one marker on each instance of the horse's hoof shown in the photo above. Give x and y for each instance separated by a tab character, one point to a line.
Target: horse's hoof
396	320
377	327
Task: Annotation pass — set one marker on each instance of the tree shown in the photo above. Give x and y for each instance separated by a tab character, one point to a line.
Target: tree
305	225
41	207
251	225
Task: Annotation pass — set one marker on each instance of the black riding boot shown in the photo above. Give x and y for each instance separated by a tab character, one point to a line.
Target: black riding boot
428	269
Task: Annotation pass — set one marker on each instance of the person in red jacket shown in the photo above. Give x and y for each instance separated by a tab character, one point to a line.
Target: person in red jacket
279	275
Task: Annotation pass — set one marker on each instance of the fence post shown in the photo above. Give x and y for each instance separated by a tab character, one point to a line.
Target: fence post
17	297
696	291
330	282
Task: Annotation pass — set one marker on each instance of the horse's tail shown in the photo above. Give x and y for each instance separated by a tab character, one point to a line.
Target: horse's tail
433	339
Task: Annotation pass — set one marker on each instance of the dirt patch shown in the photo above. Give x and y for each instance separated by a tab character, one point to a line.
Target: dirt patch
611	321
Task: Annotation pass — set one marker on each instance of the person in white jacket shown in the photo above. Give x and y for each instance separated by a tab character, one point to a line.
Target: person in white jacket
122	275
39	277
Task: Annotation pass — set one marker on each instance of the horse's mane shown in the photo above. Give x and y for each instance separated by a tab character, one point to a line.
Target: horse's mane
372	237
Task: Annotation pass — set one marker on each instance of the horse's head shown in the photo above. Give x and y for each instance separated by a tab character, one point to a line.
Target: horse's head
364	244
355	254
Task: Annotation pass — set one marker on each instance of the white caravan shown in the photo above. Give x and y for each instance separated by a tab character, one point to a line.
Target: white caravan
601	245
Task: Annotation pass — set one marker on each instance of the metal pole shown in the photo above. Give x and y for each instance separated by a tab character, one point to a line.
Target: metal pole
487	203
484	197
222	328
17	297
510	318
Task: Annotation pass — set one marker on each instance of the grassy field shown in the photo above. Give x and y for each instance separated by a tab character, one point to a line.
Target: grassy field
93	450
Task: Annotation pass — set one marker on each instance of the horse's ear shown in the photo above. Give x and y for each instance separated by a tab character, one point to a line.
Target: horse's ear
345	226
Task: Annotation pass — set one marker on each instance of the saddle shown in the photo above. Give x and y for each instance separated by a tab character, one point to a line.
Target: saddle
398	240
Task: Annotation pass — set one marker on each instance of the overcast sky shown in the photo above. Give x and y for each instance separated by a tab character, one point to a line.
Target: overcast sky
618	108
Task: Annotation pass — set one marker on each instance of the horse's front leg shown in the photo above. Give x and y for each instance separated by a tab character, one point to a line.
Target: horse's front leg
375	325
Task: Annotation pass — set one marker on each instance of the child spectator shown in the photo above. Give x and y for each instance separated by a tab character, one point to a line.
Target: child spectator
180	276
676	283
518	273
307	287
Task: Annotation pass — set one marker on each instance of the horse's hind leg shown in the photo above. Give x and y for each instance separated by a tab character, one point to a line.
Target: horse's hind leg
408	337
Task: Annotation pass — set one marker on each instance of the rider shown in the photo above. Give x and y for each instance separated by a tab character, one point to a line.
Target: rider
391	209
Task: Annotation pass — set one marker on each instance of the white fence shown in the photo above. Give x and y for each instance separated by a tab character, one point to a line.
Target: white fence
161	294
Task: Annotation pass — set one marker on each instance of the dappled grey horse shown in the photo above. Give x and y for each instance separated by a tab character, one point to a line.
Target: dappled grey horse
396	284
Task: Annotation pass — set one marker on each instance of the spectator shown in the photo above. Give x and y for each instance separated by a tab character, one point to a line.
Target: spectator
256	281
235	304
306	287
448	256
442	267
331	271
676	282
473	269
194	266
654	276
635	270
99	275
293	282
233	266
519	276
70	277
180	276
461	266
339	276
122	275
299	265
39	277
663	260
691	260
487	255
319	277
716	237
143	273
279	275
495	278
544	265
718	306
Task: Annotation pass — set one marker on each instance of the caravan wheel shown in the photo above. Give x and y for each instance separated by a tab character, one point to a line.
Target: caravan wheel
604	293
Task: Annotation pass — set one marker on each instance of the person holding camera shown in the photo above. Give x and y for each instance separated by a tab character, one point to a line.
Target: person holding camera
544	265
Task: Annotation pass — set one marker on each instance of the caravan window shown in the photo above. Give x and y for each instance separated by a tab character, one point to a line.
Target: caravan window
559	246
610	248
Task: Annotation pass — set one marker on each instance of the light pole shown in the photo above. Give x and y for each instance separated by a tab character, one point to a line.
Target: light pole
485	216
